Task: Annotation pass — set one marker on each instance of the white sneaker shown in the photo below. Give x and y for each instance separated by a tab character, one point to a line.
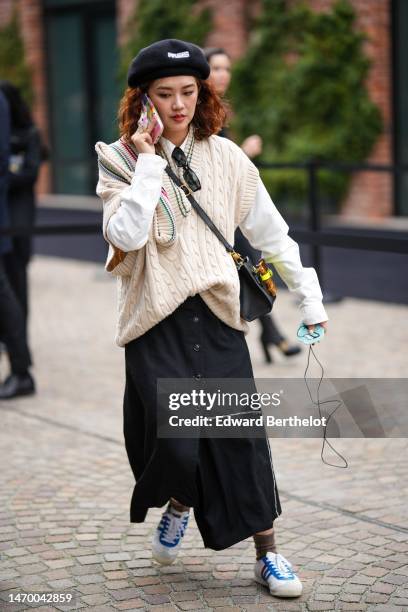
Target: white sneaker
168	536
275	572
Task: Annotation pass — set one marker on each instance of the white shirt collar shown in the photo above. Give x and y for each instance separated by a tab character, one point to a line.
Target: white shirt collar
169	146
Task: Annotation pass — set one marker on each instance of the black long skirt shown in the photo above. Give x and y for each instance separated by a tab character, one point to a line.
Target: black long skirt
229	482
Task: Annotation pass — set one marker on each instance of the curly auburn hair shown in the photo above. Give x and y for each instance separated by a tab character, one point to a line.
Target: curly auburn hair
209	117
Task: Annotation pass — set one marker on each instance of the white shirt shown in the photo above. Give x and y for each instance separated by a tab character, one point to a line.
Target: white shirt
264	227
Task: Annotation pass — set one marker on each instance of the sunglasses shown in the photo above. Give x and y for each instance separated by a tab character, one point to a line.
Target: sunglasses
190	177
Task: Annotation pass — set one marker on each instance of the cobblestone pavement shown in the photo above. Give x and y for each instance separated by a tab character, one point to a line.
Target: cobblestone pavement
65	482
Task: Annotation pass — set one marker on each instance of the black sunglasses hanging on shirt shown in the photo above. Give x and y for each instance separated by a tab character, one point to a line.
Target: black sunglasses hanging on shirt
189	176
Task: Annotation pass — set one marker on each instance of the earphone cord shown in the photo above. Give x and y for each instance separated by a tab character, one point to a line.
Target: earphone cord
318	404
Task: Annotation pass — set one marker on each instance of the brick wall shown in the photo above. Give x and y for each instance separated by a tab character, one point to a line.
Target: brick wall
230	22
124	9
230	25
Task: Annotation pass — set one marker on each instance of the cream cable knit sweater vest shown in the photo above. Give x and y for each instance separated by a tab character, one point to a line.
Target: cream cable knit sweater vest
154	280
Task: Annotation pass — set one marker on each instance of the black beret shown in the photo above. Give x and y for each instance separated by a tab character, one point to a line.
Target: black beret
169	57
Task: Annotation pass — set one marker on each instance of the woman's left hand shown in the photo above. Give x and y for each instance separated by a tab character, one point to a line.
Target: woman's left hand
323	324
252	146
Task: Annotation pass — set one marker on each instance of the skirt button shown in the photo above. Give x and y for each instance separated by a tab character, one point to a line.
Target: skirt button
196	347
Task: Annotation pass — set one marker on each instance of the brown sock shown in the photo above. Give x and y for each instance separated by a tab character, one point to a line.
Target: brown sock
177	506
264	543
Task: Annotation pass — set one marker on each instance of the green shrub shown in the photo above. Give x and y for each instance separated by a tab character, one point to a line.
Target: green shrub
13	67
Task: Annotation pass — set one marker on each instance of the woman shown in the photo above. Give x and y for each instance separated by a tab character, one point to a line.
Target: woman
179	304
220	77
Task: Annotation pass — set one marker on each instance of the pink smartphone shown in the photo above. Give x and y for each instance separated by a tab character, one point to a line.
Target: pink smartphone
148	115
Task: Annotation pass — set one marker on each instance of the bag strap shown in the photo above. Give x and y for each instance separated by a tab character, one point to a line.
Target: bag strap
198	208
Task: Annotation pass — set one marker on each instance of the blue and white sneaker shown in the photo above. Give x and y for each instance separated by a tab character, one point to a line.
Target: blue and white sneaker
168	535
275	572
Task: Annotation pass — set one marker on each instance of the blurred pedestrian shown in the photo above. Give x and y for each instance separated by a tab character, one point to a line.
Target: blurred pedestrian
12	328
25	160
179	308
220	78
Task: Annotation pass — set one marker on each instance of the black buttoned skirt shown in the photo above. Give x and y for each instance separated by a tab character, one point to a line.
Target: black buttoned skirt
229	482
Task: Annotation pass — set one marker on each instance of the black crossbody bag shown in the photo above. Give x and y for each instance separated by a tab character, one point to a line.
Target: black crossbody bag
255	299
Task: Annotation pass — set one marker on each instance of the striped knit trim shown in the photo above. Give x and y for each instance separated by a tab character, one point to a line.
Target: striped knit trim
172	221
129	149
123	155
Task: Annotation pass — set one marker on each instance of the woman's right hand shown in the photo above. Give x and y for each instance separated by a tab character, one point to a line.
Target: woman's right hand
143	140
